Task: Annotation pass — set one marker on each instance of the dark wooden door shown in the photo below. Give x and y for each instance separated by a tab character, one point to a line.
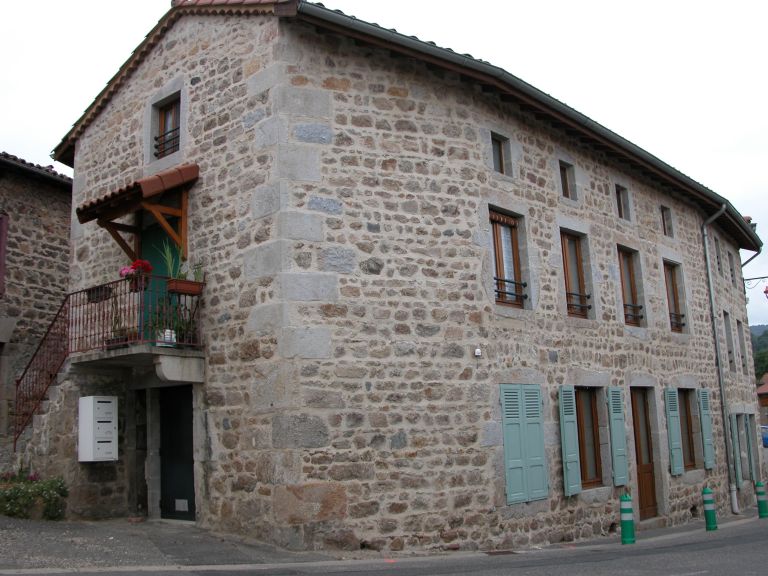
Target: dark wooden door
646	484
177	477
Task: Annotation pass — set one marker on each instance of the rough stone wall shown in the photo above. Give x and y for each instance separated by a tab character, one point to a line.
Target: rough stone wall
342	212
36	279
96	490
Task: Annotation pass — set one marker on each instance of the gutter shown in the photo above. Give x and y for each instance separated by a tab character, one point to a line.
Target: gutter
718	360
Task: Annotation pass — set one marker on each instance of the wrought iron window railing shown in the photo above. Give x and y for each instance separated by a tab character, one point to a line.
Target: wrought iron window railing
510	291
676	321
632	314
167	143
577	303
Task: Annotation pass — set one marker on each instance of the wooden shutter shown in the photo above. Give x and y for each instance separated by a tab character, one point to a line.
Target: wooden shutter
705	417
535	453
569	439
514	459
618	437
736	450
750	436
676	465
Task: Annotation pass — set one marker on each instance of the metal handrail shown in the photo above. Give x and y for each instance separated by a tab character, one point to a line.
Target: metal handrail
134	310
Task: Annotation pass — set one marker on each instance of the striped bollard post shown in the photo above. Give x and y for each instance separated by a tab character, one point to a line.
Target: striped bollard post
710	516
762	502
627	520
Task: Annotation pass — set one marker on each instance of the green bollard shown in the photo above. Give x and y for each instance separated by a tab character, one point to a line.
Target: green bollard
627	520
710	516
762	502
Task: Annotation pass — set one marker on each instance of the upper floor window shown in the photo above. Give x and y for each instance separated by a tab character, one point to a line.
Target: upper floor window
674	296
742	345
729	341
500	151
168	127
732	268
622	202
506	251
633	310
717	256
573	271
567	180
666	222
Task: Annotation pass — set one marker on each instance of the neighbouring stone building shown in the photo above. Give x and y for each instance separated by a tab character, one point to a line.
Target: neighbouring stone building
441	309
35	204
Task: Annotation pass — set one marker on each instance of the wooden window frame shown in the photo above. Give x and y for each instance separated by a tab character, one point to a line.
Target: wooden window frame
622	202
632	315
499	148
579	308
166	142
732	267
686	427
676	316
718	259
587	482
666	222
729	345
567	180
742	345
515	298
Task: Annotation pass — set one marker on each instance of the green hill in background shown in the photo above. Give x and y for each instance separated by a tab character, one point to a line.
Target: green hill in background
760	348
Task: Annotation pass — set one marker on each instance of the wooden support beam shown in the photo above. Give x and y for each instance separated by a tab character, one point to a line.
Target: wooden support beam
111	228
160	217
183	222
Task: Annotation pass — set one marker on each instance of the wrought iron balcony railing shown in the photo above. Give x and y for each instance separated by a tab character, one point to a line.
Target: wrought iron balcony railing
135	310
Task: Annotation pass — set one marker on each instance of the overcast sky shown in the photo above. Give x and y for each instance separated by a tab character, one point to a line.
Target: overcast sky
685	80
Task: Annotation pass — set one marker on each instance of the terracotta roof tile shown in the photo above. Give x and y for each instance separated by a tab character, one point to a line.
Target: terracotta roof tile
44	171
762	389
138	190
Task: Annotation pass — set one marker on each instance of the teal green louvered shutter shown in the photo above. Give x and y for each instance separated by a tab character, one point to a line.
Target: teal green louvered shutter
618	437
514	458
748	434
736	450
676	465
569	439
705	417
535	453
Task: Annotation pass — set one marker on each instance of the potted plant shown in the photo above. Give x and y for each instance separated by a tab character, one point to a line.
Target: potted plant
137	272
160	327
177	275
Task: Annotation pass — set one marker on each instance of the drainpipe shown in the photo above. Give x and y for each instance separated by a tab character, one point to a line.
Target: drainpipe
718	360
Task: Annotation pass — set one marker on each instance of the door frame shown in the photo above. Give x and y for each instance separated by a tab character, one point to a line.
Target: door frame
653	441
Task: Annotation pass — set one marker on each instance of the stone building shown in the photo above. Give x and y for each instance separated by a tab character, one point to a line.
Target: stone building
441	309
35	204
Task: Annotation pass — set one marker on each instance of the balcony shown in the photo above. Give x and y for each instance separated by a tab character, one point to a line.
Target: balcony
131	321
139	321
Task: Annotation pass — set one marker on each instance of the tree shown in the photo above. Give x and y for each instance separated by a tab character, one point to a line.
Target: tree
761	363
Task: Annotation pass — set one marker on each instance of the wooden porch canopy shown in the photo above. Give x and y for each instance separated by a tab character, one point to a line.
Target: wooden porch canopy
144	194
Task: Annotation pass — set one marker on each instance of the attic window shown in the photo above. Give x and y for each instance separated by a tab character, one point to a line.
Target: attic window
168	127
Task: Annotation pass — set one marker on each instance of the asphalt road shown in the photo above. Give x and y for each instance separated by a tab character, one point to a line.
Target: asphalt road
738	547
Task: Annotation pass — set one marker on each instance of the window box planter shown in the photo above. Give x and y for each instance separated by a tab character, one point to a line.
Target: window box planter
182	286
